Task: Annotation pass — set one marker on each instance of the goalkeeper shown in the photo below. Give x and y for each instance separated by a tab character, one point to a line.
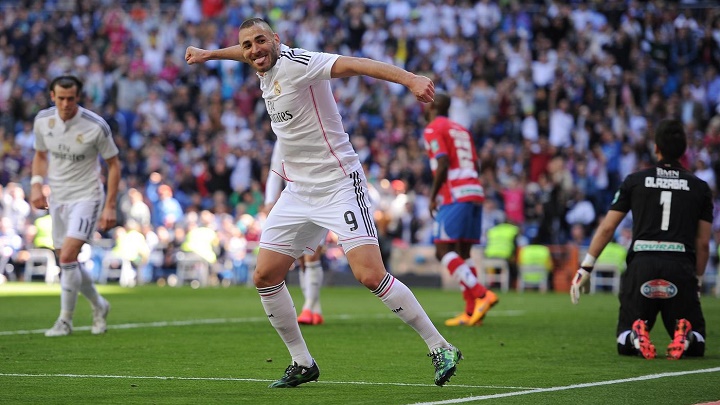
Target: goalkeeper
672	213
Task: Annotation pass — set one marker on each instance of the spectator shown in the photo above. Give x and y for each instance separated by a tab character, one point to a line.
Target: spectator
502	243
202	239
580	210
535	255
136	209
15	208
166	210
10	245
25	138
43	232
131	246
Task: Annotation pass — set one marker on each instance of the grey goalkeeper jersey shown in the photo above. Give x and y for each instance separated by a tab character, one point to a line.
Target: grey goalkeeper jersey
73	148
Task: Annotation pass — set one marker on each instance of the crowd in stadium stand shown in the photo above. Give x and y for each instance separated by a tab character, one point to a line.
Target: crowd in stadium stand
561	97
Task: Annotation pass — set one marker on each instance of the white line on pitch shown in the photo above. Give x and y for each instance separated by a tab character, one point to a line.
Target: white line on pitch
133	377
163	324
570	387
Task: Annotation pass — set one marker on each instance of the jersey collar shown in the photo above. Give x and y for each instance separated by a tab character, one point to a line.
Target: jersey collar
670	163
72	120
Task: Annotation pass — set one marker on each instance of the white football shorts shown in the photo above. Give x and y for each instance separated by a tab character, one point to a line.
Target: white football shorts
299	221
76	220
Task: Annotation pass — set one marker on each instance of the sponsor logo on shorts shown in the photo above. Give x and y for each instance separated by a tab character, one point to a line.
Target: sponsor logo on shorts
658	289
657	246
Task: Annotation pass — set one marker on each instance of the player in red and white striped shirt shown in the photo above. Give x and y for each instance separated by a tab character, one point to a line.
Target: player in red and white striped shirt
456	204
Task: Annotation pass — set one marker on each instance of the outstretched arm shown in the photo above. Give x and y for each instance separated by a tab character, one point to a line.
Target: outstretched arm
422	87
198	55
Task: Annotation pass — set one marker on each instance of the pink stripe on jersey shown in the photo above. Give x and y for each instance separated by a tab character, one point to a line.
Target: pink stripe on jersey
282	176
317	113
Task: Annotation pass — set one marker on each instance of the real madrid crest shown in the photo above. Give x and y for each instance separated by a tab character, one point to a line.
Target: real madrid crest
51	123
79	139
276	87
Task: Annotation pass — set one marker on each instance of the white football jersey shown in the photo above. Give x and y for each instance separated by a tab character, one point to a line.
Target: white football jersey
73	148
274	185
312	144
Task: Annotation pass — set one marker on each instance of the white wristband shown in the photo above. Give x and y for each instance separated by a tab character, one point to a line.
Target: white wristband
37	179
588	261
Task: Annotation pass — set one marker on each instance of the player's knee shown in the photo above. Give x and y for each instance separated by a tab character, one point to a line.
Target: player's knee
441	250
370	279
68	256
265	278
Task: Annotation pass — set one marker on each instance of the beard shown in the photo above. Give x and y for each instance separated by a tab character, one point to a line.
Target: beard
272	58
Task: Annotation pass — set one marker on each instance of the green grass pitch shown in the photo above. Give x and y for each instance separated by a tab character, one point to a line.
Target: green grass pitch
215	346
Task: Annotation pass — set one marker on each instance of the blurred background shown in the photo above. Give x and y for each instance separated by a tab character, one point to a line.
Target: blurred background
561	98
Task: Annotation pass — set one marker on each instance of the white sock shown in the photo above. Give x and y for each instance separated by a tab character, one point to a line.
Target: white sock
470	263
622	338
87	287
280	310
303	280
396	296
461	273
70	281
313	283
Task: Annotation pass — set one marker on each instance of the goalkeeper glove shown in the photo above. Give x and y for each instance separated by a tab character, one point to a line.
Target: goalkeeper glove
580	281
582	277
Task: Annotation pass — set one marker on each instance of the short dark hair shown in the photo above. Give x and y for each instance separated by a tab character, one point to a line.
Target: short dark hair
441	103
670	139
66	82
255	21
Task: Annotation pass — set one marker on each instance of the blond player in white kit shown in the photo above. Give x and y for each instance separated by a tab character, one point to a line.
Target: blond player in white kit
326	187
68	141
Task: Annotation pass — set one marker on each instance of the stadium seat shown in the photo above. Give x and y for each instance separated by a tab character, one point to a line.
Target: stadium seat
605	275
41	262
115	267
532	276
608	267
251	262
190	266
495	271
535	263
